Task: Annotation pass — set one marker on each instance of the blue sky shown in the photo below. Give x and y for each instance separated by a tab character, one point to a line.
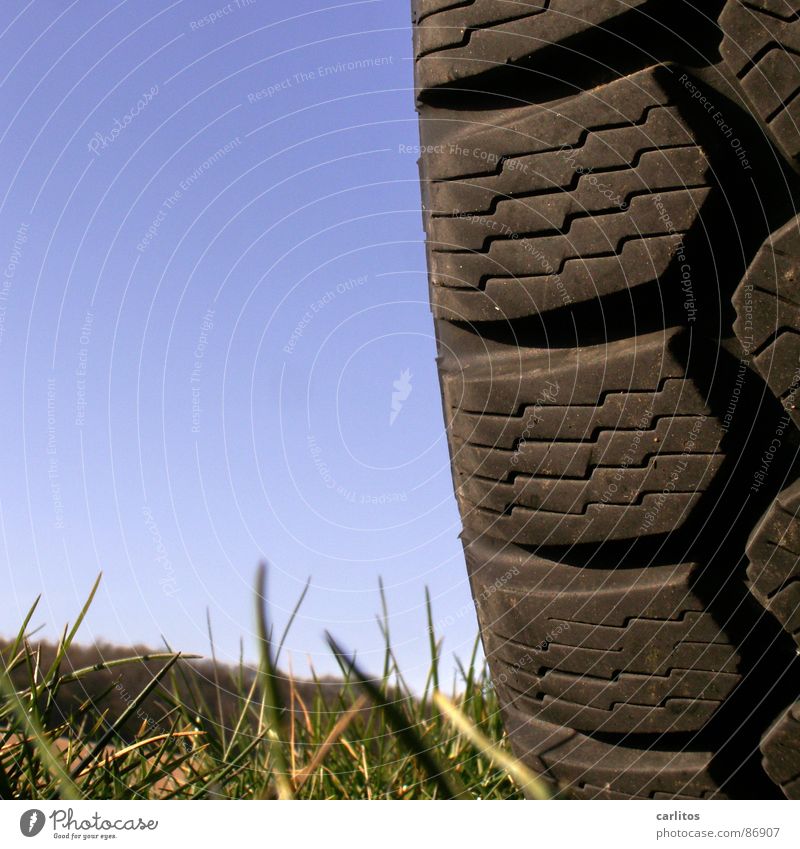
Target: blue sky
213	284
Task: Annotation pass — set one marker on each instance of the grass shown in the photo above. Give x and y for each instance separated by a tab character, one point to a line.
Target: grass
367	738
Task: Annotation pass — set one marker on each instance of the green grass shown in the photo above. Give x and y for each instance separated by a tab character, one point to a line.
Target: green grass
262	736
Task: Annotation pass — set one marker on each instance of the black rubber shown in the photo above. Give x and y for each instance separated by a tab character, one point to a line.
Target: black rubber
614	253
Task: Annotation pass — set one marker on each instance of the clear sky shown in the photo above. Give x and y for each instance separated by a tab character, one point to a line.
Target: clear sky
215	341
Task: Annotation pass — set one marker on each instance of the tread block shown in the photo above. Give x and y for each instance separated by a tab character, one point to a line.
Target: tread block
774	553
536	208
781	750
774	573
457	41
557	495
762	47
628	651
553	211
633	470
767	304
594	769
579	421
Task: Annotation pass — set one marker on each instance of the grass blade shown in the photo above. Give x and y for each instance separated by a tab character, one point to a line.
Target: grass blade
432	639
292	617
34	731
66	642
530	784
402	729
21	634
338	729
270	693
123	717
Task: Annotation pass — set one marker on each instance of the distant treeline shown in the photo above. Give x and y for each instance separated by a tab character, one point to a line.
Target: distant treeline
214	691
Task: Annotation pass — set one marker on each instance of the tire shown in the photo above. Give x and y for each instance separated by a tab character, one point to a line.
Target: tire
613	247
